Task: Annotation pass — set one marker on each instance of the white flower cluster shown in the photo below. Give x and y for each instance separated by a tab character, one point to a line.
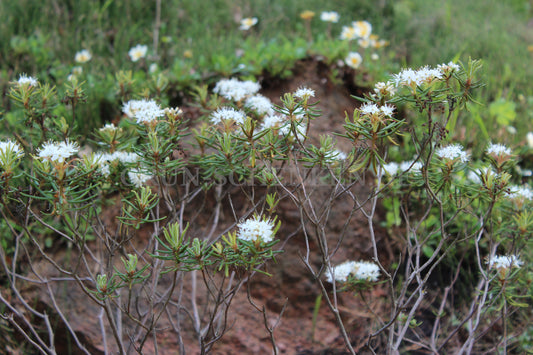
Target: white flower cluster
228	113
409	77
137	52
57	152
520	192
26	80
138	178
504	262
360	270
448	68
236	90
453	152
104	159
498	150
358	29
474	175
108	127
384	89
145	111
9	147
393	168
329	16
256	229
373	109
262	105
303	93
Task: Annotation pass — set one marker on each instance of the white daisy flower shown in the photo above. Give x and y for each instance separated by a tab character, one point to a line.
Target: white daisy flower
247	23
137	52
353	60
83	56
329	16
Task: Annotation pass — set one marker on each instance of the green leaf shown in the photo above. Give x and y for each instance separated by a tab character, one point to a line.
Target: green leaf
503	110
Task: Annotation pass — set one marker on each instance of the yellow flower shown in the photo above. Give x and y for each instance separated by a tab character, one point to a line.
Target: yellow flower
307	15
187	53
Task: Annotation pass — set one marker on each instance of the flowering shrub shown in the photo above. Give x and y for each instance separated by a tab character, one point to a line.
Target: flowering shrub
249	150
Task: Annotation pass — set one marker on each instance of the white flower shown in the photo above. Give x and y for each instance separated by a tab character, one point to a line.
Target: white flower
58	151
273	121
410	77
374	56
448	68
365	270
26	80
236	90
348	33
77	70
452	152
137	52
123	157
227	113
511	129
9	152
529	138
108	127
138	178
361	270
504	262
247	23
145	111
363	29
391	168
304	93
387	110
339	155
498	150
256	229
415	168
153	68
353	60
329	16
341	272
384	89
474	176
10	147
262	105
369	109
520	192
83	56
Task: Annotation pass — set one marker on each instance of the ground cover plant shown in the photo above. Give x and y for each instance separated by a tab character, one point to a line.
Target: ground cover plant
153	196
